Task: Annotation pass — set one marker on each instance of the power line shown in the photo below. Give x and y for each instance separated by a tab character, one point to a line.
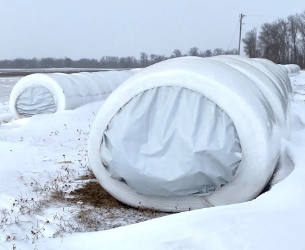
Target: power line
233	35
253	23
240	23
264	16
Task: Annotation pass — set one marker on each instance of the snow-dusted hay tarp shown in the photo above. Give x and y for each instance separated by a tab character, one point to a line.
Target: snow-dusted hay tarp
50	93
190	133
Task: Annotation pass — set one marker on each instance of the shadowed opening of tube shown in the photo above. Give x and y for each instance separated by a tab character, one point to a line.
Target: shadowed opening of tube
35	100
171	141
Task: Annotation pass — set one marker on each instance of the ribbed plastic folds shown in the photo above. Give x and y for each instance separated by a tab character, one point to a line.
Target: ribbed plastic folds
49	93
290	69
190	132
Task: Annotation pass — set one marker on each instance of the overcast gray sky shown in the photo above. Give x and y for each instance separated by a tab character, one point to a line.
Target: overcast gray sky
93	28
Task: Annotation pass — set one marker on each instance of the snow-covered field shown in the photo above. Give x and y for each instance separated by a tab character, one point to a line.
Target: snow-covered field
6	86
43	158
24	72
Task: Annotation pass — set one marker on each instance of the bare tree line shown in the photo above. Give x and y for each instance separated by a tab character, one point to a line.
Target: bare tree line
106	61
146	60
282	41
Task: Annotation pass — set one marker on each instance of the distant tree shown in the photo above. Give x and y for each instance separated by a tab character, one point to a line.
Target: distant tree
152	58
177	53
19	63
301	40
293	37
231	52
218	52
67	62
250	43
48	62
281	41
266	40
144	59
123	62
194	51
159	58
132	62
127	62
274	42
207	53
32	63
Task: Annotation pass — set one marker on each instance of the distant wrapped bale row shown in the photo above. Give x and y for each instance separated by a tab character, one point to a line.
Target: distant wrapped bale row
50	93
191	132
290	69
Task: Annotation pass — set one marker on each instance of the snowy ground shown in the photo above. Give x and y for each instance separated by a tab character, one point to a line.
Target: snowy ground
299	87
6	86
45	155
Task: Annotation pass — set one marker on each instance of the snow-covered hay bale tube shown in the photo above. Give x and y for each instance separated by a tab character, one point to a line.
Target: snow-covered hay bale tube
283	68
290	69
293	69
50	93
190	133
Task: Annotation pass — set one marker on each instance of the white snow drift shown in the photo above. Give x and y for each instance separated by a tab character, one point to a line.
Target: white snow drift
49	93
190	133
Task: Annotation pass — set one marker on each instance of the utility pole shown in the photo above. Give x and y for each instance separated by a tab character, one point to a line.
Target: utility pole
240	28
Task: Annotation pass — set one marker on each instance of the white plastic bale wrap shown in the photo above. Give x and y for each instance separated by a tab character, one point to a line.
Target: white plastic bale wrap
281	83
282	78
49	93
286	85
207	89
283	68
275	94
290	69
168	137
293	69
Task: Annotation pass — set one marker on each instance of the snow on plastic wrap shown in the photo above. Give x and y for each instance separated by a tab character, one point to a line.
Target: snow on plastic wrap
62	91
281	82
283	68
281	76
292	69
162	140
273	93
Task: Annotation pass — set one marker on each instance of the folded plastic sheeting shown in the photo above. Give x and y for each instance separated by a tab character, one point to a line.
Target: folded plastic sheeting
49	93
191	132
163	136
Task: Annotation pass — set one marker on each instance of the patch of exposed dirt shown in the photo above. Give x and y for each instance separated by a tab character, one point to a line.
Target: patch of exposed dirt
92	193
99	210
88	176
